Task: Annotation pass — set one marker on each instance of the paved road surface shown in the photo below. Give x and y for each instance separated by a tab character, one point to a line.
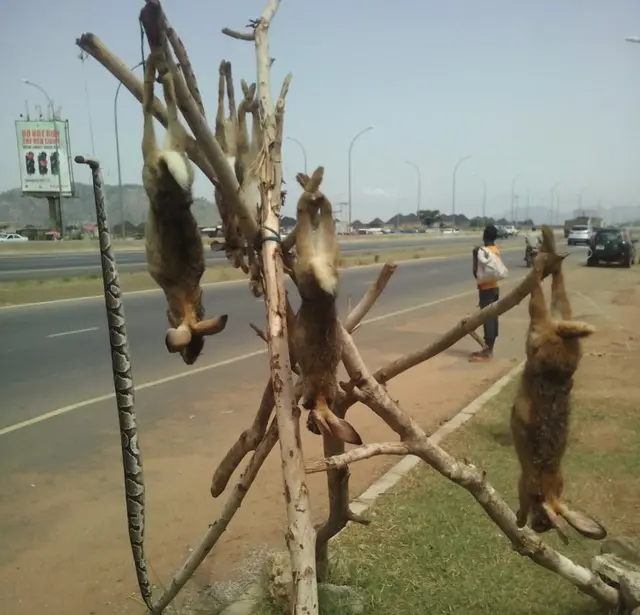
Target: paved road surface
61	264
56	355
55	358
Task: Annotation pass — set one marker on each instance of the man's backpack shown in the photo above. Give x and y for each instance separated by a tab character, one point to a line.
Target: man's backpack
490	267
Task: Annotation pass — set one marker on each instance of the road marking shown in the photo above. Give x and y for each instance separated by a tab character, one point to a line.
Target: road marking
198	370
73	332
139	387
406	263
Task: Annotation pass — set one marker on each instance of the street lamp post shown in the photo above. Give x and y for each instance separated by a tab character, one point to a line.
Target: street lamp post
580	195
513	198
484	198
55	129
367	129
417	168
552	193
453	191
115	121
304	151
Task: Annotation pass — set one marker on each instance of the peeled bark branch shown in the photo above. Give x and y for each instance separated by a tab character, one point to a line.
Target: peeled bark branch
92	45
468	324
360	453
215	531
338	479
251	437
524	540
226	177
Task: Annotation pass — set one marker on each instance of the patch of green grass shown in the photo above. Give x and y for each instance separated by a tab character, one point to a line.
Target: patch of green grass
431	549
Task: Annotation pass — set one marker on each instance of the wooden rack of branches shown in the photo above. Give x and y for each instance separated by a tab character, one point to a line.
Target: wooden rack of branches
267	262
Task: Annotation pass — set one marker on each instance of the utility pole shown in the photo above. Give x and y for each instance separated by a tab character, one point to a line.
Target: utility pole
515	210
528	203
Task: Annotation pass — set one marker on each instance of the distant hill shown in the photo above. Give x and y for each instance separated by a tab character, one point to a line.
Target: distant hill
18	211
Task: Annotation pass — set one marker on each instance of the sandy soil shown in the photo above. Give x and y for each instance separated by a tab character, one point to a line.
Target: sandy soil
68	551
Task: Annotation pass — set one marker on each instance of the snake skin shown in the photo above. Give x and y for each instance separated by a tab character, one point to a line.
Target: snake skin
123	385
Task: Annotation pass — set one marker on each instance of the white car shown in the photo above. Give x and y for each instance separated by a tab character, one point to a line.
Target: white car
511	230
579	234
12	237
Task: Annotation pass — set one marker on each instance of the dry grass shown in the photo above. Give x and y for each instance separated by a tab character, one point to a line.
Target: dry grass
431	549
51	289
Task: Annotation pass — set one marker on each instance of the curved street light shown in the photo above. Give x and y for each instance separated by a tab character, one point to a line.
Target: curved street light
453	192
55	128
580	195
304	151
417	168
484	198
367	129
513	198
115	121
552	194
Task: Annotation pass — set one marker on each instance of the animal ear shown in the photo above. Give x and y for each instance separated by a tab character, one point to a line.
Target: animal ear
176	339
583	523
211	326
330	424
573	329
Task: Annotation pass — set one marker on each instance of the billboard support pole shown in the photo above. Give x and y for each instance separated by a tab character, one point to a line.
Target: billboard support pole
57	150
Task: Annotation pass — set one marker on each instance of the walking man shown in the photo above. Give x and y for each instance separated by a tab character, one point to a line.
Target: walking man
488	293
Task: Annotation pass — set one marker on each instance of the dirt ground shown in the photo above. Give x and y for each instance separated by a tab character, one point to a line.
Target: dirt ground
78	561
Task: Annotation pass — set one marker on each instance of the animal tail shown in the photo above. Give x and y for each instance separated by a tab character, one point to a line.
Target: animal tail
178	166
573	329
328	422
324	273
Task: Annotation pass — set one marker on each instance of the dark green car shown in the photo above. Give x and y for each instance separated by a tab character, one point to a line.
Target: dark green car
612	245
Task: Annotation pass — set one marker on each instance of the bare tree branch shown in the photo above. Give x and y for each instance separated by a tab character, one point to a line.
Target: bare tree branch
366	451
216	529
524	540
338	479
239	35
92	45
226	177
251	437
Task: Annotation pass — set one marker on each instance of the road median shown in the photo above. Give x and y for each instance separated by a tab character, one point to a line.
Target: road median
76	287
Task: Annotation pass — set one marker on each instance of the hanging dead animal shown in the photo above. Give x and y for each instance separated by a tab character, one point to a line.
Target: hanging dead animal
317	337
541	410
175	253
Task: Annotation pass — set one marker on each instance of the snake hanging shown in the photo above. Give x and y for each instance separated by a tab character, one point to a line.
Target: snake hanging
123	386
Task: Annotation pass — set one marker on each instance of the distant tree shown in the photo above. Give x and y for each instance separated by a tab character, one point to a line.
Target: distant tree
429	217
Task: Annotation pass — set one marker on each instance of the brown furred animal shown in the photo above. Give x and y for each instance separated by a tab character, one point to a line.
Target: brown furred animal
175	254
316	338
541	411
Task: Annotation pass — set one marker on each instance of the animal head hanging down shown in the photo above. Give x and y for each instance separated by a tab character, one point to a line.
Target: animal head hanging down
175	254
541	410
317	336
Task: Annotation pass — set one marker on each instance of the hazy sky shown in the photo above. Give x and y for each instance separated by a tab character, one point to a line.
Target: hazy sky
546	89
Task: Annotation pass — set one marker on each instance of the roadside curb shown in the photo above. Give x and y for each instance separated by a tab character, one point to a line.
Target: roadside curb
390	478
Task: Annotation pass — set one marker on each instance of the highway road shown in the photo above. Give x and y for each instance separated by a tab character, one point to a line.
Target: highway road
57	354
16	267
61	511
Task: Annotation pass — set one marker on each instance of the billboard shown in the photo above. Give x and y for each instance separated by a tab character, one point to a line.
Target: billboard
45	158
